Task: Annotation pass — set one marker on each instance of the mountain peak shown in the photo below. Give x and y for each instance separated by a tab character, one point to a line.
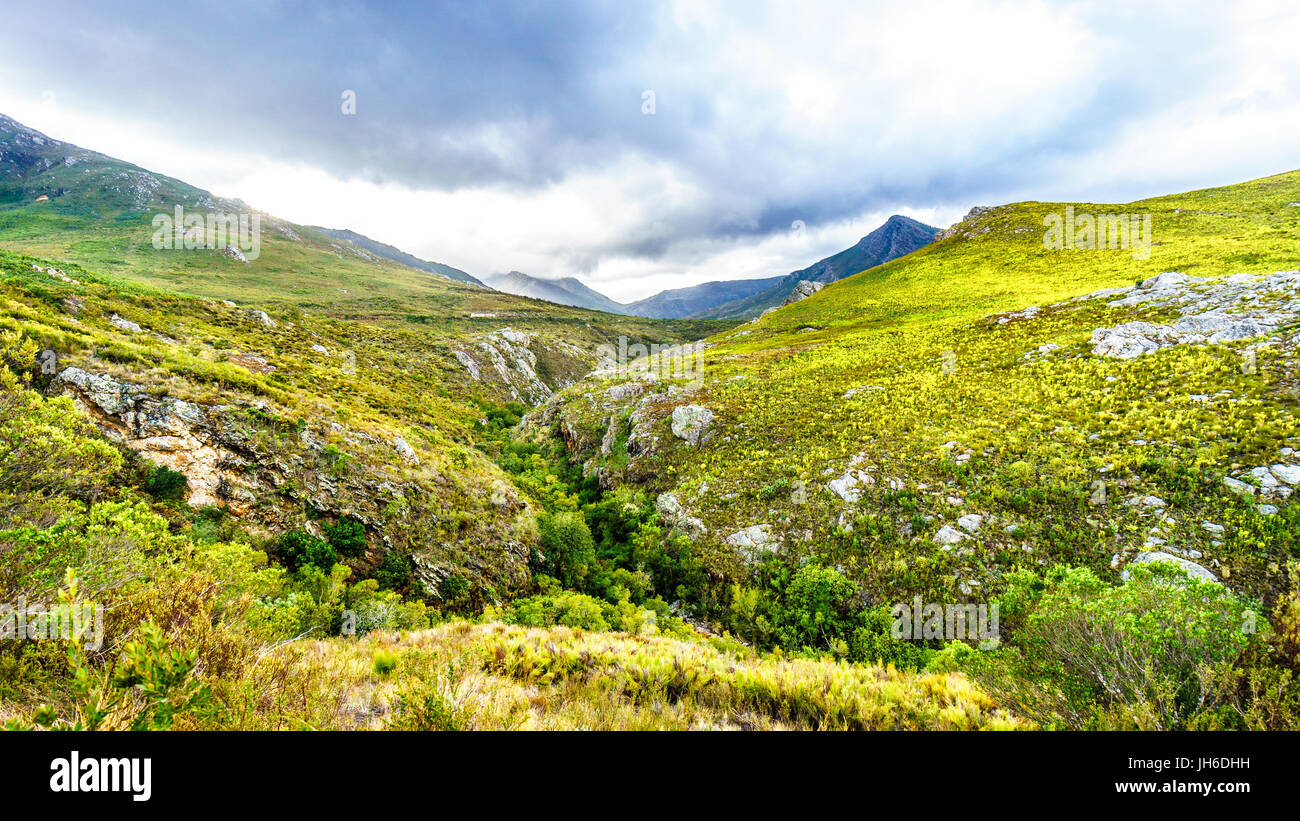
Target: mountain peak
561	290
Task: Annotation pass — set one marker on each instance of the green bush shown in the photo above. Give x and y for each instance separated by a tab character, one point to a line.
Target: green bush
298	549
394	571
384	662
454	589
347	536
819	610
567	547
1156	652
873	642
165	483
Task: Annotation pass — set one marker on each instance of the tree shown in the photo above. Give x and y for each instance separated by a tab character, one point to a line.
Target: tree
567	547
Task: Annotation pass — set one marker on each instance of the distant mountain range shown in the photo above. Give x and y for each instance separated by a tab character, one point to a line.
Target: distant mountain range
379	249
731	299
898	237
566	291
683	302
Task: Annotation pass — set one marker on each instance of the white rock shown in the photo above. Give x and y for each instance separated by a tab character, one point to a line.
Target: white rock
405	450
1264	477
848	486
262	317
752	542
670	508
1287	473
691	423
1192	568
947	535
1163	281
1238	486
124	324
970	522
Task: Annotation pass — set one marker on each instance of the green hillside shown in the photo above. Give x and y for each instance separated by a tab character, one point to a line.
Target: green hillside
854	429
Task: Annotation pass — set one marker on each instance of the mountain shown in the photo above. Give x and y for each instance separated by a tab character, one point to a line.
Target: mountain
683	302
566	291
397	255
898	237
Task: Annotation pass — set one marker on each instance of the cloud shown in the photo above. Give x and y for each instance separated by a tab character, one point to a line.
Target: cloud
497	137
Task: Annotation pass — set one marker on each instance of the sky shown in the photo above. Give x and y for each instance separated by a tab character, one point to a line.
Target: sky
649	145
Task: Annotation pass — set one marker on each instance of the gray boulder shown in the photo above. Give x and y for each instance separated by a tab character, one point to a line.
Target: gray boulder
691	423
1192	568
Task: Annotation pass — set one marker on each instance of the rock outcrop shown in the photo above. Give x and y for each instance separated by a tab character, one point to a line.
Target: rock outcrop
1221	310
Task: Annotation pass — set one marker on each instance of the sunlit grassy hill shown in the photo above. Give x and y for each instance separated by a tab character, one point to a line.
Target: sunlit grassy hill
916	386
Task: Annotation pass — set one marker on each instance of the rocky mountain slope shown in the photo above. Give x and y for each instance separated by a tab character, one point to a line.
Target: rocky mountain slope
294	502
397	255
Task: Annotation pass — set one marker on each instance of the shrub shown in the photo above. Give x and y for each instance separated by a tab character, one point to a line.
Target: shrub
567	547
394	571
347	536
818	611
298	549
454	589
873	642
165	483
384	662
1153	653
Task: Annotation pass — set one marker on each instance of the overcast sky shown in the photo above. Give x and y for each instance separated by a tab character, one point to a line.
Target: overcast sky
497	136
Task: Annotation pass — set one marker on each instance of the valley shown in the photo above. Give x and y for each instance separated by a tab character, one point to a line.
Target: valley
340	487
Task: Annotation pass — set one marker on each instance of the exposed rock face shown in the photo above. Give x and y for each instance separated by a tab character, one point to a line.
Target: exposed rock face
510	357
802	290
849	486
948	535
262	317
167	431
956	227
1227	310
228	460
124	325
469	363
513	357
691	423
752	542
405	450
670	508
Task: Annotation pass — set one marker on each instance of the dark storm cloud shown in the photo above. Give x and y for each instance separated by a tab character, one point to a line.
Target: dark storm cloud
448	94
520	96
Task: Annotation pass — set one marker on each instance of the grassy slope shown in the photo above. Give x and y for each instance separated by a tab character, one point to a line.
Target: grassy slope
782	418
466	676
